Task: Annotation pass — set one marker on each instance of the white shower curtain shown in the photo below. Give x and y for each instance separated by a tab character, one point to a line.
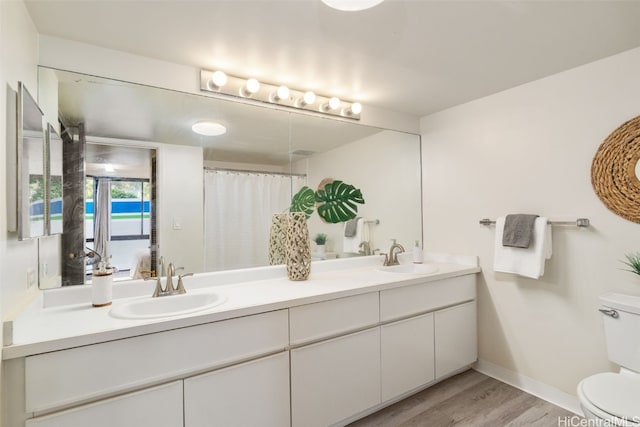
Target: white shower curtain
102	219
238	211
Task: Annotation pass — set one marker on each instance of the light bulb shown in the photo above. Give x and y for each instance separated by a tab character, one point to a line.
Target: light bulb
281	93
252	85
334	103
356	108
351	5
219	79
308	98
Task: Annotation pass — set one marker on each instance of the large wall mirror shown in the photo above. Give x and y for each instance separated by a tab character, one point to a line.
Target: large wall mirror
232	184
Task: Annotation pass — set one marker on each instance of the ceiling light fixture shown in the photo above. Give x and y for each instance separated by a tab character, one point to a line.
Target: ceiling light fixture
207	128
351	5
252	90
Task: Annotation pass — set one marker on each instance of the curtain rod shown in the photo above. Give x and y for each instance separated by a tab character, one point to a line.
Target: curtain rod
207	168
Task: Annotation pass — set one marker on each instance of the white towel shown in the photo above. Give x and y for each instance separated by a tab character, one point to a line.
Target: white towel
352	244
526	262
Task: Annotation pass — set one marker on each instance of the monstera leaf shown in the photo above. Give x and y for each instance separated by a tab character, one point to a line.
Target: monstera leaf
303	201
337	201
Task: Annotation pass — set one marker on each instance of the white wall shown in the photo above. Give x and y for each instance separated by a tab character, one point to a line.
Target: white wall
529	150
18	60
386	167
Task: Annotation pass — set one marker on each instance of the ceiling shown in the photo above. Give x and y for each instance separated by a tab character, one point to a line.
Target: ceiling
409	56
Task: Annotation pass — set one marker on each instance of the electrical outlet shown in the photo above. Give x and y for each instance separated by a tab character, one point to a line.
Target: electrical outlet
44	270
32	279
177	223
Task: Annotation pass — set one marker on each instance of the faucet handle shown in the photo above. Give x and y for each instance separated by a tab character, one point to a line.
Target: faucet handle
180	288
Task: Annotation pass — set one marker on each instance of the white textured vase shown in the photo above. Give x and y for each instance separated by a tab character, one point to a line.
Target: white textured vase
298	246
277	239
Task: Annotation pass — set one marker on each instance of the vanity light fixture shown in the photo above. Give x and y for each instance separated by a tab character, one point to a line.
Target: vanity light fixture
351	5
207	128
252	90
108	167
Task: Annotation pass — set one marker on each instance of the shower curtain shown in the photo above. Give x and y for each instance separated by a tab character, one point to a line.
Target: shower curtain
102	219
238	209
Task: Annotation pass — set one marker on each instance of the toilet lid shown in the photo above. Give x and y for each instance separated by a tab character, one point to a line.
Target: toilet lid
616	394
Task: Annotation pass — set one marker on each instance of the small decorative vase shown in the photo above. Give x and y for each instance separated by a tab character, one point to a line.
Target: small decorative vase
277	239
321	250
298	247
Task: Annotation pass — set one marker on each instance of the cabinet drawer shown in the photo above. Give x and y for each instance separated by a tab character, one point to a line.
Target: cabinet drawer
335	379
254	393
85	373
410	300
330	318
157	407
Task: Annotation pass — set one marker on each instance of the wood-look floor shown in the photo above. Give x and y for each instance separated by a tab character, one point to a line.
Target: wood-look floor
468	399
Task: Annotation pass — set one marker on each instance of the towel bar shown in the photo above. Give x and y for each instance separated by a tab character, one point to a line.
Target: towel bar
580	222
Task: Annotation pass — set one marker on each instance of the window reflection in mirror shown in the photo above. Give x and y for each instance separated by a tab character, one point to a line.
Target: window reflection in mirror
31	173
54	180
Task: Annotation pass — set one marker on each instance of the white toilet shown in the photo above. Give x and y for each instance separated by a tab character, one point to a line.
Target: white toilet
614	398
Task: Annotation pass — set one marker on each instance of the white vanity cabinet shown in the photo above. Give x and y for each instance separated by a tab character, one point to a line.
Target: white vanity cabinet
456	341
407	355
158	407
254	393
334	378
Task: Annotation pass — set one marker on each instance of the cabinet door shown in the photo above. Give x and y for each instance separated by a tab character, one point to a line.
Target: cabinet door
335	379
407	355
254	393
456	338
155	407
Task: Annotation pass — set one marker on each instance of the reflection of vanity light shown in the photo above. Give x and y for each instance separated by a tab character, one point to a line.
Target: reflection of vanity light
108	167
351	5
209	128
281	93
218	79
356	108
250	87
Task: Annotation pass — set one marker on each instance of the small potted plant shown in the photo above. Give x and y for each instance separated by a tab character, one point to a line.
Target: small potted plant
633	262
320	240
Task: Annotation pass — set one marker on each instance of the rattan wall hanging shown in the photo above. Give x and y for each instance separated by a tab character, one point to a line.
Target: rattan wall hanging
613	173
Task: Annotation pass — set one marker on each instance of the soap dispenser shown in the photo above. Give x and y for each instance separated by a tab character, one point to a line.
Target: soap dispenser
102	282
417	253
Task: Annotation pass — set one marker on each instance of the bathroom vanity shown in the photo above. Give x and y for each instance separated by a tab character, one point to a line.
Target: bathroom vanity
350	340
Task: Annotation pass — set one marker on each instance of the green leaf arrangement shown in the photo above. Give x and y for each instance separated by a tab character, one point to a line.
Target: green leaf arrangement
633	262
336	202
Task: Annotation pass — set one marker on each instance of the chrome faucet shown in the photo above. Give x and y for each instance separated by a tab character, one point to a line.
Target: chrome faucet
392	257
168	288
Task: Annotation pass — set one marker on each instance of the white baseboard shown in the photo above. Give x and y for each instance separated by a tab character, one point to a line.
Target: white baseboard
531	386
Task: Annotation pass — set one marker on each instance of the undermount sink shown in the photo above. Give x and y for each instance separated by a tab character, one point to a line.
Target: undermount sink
166	306
410	269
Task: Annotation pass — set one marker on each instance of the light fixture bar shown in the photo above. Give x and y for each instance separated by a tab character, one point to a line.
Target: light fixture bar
212	81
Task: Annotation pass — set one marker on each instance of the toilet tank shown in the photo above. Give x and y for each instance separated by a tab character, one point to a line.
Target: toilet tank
622	330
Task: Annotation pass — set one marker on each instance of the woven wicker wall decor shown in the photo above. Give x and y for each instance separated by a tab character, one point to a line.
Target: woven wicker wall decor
298	247
277	239
613	171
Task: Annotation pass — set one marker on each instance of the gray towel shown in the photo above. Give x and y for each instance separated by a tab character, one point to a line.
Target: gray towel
518	230
351	227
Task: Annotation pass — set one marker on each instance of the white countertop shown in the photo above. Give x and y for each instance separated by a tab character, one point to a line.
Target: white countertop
64	318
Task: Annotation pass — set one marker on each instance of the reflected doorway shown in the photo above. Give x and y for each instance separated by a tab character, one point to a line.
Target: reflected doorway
120	209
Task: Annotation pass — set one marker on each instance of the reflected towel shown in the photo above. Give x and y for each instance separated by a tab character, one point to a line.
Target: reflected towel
526	262
352	244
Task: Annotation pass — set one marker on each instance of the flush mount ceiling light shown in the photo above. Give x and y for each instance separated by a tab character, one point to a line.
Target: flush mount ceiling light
209	128
351	5
253	90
